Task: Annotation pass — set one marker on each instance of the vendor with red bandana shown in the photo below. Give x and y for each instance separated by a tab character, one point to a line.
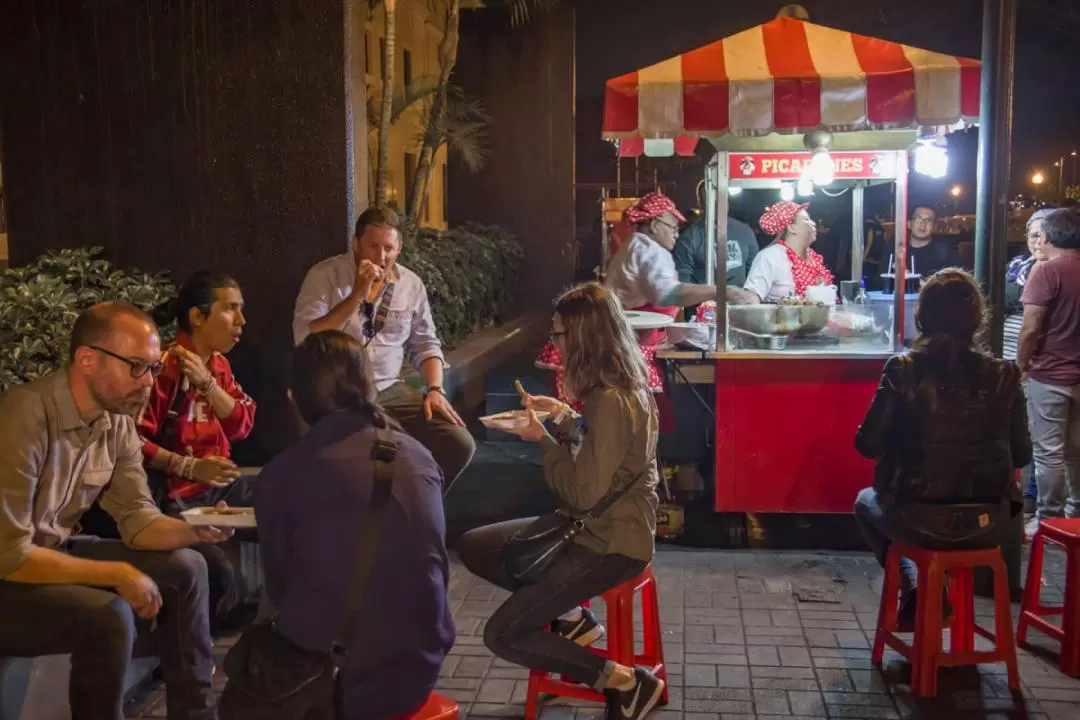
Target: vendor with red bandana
643	276
788	266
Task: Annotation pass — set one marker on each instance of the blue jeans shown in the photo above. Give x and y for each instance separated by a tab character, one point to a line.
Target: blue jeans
519	629
936	527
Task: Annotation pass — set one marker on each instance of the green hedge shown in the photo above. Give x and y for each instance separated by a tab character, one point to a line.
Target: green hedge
472	275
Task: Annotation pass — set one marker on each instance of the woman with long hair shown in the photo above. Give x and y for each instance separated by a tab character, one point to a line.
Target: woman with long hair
196	411
945	460
312	501
610	448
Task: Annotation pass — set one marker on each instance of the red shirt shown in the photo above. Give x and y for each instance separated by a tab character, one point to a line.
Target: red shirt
196	431
1055	285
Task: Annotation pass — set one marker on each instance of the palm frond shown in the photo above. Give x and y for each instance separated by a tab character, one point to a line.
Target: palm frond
462	128
420	89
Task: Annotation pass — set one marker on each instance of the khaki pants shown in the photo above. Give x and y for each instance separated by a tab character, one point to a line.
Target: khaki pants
451	446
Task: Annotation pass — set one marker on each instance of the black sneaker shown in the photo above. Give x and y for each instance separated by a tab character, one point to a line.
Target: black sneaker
636	702
584	631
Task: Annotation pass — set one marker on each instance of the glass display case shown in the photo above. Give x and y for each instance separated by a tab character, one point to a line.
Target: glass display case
798	327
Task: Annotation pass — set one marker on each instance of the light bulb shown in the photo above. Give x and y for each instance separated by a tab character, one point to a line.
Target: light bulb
822	171
931	160
734	191
787	192
805	187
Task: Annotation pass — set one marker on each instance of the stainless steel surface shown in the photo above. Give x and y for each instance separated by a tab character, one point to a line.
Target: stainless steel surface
720	264
858	231
900	250
779	319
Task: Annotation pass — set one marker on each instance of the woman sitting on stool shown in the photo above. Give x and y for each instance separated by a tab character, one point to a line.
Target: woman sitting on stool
616	449
945	461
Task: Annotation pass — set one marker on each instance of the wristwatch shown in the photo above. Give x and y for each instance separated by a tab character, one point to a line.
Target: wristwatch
436	389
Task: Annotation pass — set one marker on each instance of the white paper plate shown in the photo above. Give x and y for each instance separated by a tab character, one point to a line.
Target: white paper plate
510	420
207	516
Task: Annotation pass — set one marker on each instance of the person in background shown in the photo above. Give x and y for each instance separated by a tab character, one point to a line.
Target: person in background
788	266
1016	276
944	458
369	296
874	244
311	502
926	253
1049	352
689	253
65	441
615	450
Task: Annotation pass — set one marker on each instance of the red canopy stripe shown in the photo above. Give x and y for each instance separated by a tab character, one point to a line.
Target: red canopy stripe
890	81
621	104
705	88
796	85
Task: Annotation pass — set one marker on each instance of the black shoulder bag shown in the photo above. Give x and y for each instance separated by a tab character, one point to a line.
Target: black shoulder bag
529	553
270	678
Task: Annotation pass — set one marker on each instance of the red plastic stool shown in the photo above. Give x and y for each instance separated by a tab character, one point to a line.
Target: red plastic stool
1065	533
437	707
620	643
925	652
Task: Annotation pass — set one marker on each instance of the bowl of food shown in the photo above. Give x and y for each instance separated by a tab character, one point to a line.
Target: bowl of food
230	517
791	316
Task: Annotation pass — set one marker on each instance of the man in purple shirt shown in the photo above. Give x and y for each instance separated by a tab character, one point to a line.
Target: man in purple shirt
367	295
311	503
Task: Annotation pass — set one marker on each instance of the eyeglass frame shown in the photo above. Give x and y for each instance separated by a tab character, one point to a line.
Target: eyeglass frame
155	369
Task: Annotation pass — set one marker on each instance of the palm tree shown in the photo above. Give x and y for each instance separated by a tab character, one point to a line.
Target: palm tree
382	178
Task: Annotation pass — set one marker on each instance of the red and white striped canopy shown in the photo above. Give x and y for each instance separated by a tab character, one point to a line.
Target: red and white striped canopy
789	76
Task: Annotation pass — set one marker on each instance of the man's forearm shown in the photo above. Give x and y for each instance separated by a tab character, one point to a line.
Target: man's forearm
50	567
1025	347
432	372
687	294
165	533
338	316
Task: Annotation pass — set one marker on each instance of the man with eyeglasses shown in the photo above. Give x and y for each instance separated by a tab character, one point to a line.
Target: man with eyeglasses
927	254
65	441
365	293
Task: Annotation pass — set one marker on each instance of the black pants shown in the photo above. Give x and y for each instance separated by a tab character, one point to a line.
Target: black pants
98	629
518	631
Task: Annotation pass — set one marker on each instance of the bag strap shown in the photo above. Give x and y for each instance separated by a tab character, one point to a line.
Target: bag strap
383	452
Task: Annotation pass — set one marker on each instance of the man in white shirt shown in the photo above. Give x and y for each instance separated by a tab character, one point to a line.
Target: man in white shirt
383	305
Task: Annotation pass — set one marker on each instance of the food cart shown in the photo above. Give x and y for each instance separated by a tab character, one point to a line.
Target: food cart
796	107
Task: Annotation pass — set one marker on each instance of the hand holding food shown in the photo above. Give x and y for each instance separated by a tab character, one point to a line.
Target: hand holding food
367	274
215	471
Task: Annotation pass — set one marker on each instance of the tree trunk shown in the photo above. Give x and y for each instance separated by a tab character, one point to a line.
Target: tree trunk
448	50
383	177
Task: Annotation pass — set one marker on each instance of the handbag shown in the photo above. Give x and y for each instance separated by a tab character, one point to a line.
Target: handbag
269	676
529	553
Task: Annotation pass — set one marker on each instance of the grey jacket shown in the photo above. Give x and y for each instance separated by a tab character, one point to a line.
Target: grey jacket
612	444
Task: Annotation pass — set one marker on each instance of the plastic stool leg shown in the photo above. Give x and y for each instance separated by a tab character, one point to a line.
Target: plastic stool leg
1032	586
962	597
1070	619
1003	619
928	629
887	609
532	697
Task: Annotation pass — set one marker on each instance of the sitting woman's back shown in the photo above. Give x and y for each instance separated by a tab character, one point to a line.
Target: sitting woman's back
311	503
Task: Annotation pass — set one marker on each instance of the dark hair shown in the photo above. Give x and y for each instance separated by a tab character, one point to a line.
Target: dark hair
198	292
377	216
950	315
94	325
1062	228
917	208
331	373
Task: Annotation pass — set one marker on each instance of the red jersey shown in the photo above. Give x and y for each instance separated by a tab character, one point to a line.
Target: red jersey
193	428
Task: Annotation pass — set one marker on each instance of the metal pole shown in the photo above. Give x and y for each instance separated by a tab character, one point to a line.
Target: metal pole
720	271
900	262
858	231
995	138
1061	180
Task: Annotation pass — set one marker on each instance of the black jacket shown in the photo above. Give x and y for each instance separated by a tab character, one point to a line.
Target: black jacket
946	435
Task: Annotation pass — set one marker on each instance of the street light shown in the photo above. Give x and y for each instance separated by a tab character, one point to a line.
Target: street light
956	191
1038	178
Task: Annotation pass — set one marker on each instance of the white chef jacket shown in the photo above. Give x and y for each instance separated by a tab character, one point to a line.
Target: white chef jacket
770	275
642	273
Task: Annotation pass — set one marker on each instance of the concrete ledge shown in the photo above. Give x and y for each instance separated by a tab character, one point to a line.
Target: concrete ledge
484	351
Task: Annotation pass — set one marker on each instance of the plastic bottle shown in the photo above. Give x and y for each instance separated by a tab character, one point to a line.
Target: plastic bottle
860	296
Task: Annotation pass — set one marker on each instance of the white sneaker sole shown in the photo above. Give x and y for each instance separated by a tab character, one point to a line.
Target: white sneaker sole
654	699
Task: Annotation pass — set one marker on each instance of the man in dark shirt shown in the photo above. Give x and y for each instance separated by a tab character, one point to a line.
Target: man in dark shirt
926	253
689	252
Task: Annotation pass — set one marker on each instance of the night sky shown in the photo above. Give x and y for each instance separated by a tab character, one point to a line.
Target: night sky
619	36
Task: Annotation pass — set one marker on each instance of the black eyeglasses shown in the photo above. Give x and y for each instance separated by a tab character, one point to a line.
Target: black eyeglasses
369	320
139	368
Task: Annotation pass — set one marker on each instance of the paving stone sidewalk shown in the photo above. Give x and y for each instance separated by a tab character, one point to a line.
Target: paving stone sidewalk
761	634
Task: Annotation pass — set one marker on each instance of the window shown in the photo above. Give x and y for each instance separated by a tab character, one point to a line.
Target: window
410	173
382	58
406	68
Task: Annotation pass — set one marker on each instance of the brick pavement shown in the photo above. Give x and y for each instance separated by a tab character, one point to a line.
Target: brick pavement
761	634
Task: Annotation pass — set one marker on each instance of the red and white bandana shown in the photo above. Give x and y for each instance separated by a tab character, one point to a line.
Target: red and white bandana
809	272
650	207
780	216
